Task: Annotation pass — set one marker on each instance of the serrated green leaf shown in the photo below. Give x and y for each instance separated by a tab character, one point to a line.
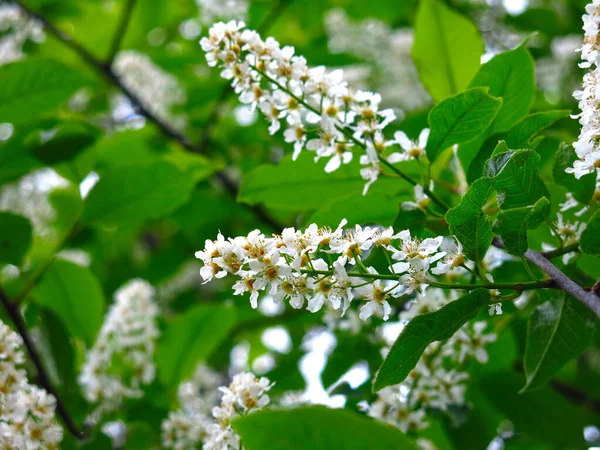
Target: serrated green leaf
448	58
559	330
317	428
590	238
75	295
469	223
516	178
522	134
15	238
583	188
134	194
460	119
509	75
35	86
190	338
512	225
422	331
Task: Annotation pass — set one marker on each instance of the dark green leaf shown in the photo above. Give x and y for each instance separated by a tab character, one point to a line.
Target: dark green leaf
583	188
522	134
512	224
62	141
448	57
460	119
469	223
35	86
133	194
15	238
317	428
516	179
422	331
75	295
509	75
189	339
558	331
590	238
15	159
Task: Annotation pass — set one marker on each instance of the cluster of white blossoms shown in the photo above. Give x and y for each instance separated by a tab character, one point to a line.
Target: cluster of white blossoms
587	146
213	10
27	419
387	53
320	266
156	89
438	382
188	426
245	395
120	361
317	108
16	28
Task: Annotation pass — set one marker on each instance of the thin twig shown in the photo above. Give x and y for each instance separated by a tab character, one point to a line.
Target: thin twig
121	30
15	314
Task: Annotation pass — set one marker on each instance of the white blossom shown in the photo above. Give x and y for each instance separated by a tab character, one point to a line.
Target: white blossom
16	28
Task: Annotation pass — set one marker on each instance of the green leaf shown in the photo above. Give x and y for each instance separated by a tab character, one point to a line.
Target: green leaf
35	86
512	224
447	49
376	208
15	159
558	331
134	194
15	238
317	428
75	295
422	331
582	189
460	119
509	75
304	185
469	223
60	142
190	338
522	134
590	238
516	178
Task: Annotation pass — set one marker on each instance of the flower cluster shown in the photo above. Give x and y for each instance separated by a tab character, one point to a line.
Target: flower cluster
438	382
188	426
320	112
158	90
121	359
26	412
16	28
211	10
587	146
320	266
246	394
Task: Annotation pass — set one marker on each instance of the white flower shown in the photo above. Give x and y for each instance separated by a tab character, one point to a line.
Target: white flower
421	200
569	232
412	149
454	257
376	299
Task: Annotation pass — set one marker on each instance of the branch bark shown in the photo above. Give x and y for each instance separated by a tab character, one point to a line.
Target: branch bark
14	312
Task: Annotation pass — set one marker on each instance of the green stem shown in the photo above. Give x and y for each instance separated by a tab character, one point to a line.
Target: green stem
561	250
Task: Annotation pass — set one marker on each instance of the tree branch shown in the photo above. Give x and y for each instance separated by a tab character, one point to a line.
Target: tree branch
120	32
106	70
13	311
589	299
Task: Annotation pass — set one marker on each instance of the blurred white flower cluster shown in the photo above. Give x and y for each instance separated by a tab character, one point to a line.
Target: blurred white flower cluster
188	426
26	412
318	109
156	89
16	28
310	267
245	395
556	75
587	146
120	361
438	382
213	10
387	53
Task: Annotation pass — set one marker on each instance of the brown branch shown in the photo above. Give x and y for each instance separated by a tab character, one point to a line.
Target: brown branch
14	312
107	71
589	299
